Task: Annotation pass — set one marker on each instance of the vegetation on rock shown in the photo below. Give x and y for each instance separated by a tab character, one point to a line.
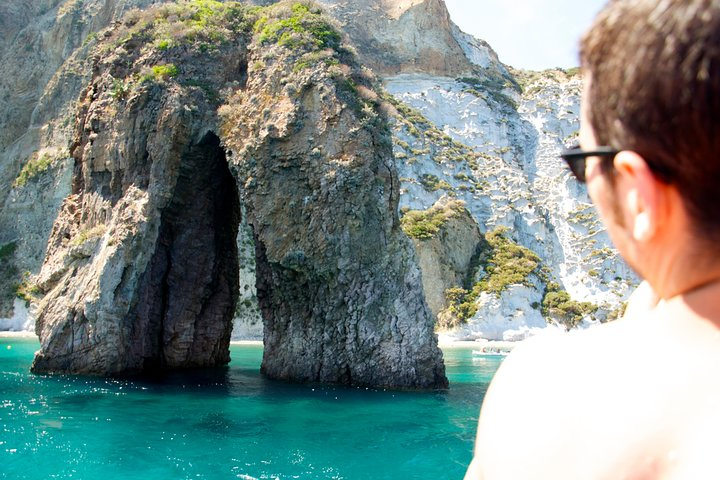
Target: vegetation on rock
201	23
305	27
512	264
160	73
149	46
27	290
616	313
434	144
432	183
7	250
508	264
35	166
88	234
530	81
425	224
461	307
558	305
491	87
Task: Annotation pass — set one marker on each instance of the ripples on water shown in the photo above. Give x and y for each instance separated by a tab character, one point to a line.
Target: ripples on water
232	423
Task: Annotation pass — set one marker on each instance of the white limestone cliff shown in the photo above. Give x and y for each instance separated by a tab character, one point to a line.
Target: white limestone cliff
514	179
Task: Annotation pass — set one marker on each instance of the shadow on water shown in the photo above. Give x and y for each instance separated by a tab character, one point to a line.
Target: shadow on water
210	380
242	378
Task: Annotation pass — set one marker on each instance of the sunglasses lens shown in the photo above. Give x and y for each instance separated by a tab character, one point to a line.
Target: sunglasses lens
578	169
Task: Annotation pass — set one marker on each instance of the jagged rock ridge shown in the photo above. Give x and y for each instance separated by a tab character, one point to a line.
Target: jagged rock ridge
141	270
44	57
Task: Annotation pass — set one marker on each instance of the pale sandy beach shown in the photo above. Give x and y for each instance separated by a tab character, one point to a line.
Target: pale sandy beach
488	347
20	334
480	346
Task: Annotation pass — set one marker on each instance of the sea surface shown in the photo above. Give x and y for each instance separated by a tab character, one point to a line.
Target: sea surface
233	423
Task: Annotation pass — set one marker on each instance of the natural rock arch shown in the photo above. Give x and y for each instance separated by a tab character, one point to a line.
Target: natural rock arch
141	268
190	286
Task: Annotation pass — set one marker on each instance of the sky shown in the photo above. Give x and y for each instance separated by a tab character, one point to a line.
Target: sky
527	34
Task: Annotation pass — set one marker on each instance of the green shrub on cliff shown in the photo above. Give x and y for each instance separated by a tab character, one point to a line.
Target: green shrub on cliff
492	85
305	26
616	313
7	250
461	306
509	264
159	73
204	22
424	224
28	290
88	234
433	183
313	58
415	121
36	165
558	304
119	89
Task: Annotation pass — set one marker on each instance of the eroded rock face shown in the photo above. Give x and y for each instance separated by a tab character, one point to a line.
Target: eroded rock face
337	282
44	48
142	270
450	257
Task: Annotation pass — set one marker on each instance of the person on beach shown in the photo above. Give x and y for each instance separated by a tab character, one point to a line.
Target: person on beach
638	398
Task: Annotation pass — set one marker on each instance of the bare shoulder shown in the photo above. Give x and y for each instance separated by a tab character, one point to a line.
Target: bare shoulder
521	408
542	406
637	398
695	454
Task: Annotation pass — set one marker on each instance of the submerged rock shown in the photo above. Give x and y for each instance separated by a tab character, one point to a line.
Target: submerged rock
141	271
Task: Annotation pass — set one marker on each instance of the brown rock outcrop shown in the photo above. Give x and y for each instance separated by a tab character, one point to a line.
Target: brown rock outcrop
43	53
402	36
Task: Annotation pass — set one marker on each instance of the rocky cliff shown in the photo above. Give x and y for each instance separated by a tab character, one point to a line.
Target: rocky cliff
463	126
141	270
44	70
403	36
496	149
449	246
337	282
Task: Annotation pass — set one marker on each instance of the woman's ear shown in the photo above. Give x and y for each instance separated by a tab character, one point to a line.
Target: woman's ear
642	194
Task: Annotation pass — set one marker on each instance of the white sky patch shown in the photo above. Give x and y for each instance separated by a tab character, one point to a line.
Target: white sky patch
530	34
520	11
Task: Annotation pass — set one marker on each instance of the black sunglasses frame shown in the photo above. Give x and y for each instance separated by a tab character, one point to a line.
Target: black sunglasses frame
576	158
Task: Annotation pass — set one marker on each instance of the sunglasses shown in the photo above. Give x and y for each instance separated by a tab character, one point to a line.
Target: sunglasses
576	158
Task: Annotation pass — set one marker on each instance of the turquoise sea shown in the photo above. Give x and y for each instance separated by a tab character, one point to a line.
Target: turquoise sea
232	423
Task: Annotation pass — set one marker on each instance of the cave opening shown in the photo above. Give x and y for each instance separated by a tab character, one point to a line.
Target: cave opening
191	286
